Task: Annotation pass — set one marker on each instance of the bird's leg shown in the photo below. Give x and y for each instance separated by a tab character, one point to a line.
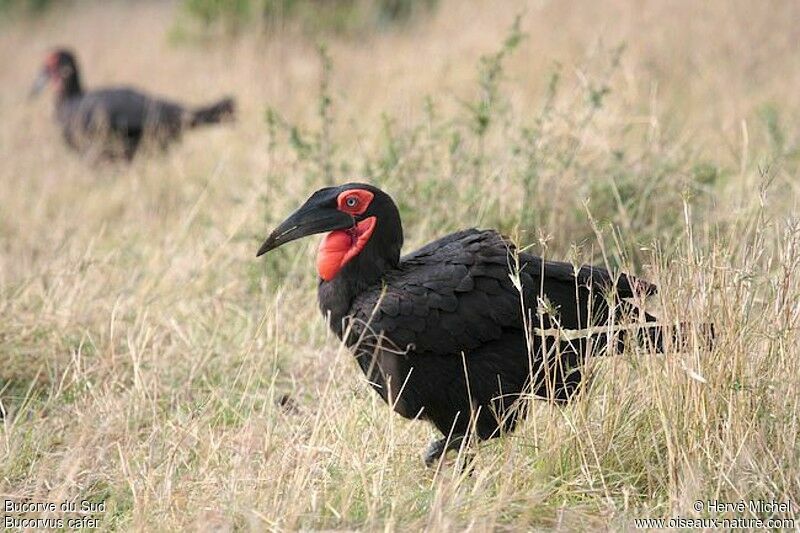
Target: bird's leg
440	447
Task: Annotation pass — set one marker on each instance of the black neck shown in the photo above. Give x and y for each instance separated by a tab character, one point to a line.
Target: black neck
70	86
365	271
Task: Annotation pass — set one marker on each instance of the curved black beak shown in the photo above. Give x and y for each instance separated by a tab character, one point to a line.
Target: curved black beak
39	83
315	216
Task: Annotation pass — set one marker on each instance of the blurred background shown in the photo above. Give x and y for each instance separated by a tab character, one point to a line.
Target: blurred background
152	363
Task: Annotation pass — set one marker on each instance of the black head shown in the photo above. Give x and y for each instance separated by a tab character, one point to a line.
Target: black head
364	224
61	70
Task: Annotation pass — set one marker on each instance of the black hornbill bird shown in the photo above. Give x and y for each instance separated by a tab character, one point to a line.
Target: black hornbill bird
441	332
113	122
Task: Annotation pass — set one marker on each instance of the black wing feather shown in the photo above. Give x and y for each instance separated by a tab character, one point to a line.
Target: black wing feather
124	109
455	294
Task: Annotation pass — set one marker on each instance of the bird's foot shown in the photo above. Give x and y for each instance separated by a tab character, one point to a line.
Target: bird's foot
439	448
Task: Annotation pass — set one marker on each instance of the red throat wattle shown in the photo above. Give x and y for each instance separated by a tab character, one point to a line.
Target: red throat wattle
340	246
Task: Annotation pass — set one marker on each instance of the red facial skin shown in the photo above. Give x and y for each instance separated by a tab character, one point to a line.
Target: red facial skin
51	65
51	62
340	246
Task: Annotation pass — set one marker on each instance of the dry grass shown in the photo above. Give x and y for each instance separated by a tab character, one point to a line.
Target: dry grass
145	351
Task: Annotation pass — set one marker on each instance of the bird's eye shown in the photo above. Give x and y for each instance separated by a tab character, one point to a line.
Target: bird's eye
351	201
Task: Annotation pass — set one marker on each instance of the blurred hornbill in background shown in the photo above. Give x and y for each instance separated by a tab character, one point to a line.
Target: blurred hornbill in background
113	122
458	332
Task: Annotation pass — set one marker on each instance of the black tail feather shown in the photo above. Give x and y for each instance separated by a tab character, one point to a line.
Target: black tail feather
221	111
678	337
560	375
654	337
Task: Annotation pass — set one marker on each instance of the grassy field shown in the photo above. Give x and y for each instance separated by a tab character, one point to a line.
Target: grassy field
150	362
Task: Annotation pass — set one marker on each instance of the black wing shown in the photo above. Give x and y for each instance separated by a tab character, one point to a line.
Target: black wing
457	293
126	109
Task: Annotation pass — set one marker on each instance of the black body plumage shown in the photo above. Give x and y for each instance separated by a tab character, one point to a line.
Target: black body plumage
441	336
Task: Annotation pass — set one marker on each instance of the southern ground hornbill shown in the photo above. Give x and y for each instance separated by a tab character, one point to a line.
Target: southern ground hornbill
113	122
441	332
